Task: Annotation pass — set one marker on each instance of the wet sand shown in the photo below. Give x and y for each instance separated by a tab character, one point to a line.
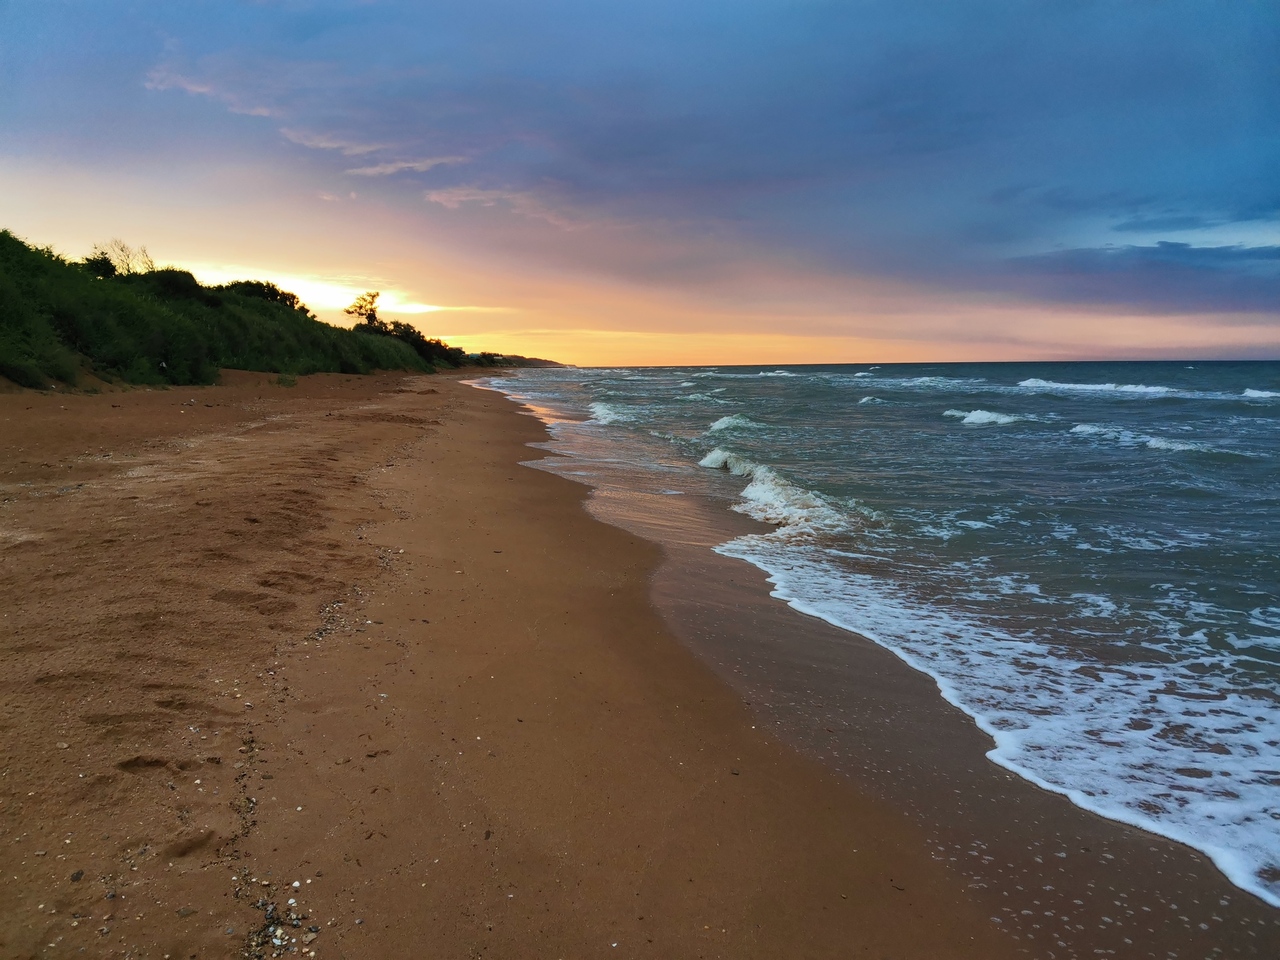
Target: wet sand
331	644
1061	881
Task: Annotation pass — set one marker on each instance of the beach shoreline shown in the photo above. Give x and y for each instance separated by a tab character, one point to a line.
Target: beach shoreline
336	636
1063	879
227	679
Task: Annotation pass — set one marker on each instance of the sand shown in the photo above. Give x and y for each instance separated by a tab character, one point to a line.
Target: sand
328	655
331	644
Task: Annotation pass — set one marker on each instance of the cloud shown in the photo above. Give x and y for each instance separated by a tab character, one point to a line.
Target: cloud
524	203
983	148
328	141
165	77
1167	276
1163	224
391	167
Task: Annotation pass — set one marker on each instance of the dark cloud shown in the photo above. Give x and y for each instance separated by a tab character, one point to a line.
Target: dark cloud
1166	276
940	142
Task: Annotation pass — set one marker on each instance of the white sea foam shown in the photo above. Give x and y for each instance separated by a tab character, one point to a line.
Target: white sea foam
702	398
864	373
1138	746
943	382
735	421
871	400
983	417
1139	389
1128	438
1260	394
612	413
773	499
1061	718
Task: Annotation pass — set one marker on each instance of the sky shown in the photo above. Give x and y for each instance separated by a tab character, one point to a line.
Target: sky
702	181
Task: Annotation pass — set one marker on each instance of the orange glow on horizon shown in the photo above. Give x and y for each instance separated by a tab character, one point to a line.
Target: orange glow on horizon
743	308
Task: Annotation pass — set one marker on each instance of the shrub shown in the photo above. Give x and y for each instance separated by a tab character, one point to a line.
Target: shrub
162	326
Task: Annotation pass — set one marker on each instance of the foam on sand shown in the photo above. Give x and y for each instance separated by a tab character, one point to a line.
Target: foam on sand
1057	719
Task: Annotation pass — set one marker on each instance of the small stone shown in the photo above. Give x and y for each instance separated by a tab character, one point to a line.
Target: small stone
185	911
62	745
307	938
734	771
359	921
77	876
230	931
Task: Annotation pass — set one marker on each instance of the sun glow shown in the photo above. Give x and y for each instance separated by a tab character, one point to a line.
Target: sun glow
323	294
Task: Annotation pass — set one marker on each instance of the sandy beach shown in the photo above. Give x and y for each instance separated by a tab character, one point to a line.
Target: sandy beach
323	670
325	660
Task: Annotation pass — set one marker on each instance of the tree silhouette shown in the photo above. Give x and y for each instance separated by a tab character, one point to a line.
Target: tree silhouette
433	351
117	258
365	308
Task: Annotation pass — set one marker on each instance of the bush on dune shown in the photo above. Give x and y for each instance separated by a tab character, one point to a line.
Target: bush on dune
117	316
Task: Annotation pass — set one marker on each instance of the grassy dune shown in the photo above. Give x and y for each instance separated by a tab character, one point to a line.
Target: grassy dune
59	320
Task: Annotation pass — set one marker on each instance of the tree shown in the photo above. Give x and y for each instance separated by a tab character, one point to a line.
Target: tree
117	258
433	351
365	309
262	290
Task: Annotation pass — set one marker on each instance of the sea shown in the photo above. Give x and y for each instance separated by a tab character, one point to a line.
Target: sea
1085	557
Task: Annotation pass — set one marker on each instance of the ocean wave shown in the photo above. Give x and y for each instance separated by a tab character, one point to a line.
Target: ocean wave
701	398
1139	389
735	421
1127	438
940	381
983	417
1260	394
771	498
871	400
612	413
1112	740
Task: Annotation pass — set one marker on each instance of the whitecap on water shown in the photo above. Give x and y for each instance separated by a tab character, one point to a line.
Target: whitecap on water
983	417
735	421
1128	438
1140	389
611	413
771	498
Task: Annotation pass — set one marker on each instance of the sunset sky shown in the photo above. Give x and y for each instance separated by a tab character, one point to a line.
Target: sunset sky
697	181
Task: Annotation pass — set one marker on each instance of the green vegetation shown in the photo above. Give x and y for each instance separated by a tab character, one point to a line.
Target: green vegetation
435	352
117	316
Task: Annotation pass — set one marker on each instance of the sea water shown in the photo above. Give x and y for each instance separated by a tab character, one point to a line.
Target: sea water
1084	556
